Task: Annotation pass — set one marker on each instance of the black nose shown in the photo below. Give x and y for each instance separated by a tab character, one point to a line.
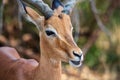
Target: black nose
77	55
77	61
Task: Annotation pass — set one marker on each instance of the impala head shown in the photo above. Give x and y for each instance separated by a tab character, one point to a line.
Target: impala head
56	39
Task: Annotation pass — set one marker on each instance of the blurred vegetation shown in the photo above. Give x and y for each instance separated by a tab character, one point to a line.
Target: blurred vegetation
102	51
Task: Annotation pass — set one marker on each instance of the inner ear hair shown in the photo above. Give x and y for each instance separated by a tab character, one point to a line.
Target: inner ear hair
32	13
58	10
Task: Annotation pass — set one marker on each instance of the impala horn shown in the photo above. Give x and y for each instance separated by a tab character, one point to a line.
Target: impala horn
56	4
69	6
41	7
22	8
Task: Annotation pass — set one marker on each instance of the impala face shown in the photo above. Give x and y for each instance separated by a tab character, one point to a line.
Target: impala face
56	40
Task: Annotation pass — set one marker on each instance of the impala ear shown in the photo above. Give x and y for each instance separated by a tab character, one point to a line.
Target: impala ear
31	15
57	6
34	17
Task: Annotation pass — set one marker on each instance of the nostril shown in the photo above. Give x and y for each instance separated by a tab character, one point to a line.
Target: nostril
77	61
76	54
80	56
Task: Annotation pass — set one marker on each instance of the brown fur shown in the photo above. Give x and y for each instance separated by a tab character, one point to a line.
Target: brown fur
53	51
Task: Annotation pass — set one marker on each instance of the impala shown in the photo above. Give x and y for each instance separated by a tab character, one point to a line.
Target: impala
56	44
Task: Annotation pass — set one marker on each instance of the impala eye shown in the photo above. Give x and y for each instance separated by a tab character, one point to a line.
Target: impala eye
50	33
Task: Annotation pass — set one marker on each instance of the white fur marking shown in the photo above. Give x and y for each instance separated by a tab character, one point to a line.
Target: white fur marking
74	64
50	28
82	57
76	59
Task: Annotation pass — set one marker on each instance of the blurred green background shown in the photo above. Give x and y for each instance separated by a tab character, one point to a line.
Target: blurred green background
96	31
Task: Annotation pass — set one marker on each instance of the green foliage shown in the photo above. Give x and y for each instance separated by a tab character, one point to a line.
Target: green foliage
82	41
86	14
30	28
92	57
115	18
0	2
102	5
112	58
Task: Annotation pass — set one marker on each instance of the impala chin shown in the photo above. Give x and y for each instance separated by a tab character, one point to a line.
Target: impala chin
77	61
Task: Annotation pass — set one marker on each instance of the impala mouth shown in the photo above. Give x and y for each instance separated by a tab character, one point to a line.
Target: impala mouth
77	61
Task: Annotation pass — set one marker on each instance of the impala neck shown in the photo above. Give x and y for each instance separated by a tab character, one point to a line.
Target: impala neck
48	68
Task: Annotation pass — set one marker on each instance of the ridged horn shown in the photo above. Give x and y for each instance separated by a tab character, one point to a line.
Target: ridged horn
41	7
69	6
